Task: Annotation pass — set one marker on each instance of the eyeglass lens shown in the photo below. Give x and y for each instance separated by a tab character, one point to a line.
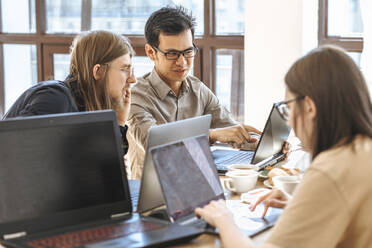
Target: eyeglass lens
284	111
187	54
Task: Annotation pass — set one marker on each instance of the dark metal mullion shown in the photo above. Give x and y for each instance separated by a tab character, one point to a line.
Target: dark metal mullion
136	40
212	18
1	20
207	24
206	65
322	21
86	15
349	44
212	50
30	12
213	61
203	51
40	8
2	84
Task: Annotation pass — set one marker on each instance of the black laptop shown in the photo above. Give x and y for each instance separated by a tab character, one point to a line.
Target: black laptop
188	178
268	151
63	184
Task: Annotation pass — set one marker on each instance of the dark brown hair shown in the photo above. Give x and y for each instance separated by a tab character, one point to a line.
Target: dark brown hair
336	85
87	50
170	20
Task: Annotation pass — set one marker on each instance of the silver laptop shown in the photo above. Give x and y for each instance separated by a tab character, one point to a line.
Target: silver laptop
150	195
188	179
268	151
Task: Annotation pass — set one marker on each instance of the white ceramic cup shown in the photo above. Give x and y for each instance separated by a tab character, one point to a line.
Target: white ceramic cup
286	183
240	181
234	167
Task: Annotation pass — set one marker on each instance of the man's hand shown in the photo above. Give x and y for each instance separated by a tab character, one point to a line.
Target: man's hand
238	134
275	198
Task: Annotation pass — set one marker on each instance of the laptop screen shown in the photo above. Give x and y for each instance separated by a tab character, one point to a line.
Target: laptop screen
57	168
151	194
187	175
276	131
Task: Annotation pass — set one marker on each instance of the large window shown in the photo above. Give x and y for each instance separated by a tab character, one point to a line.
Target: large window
344	23
340	23
35	36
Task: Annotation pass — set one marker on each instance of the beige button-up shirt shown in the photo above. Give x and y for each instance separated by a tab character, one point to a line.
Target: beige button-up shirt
154	103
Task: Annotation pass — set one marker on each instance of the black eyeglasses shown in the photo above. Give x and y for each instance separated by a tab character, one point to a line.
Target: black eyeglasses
283	108
174	55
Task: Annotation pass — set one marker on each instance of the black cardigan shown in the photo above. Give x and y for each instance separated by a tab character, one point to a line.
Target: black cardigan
53	97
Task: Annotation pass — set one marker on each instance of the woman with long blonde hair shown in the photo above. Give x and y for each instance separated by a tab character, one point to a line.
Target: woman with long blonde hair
100	77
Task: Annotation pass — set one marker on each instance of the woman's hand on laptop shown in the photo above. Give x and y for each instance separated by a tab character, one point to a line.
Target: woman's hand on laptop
275	198
215	213
238	134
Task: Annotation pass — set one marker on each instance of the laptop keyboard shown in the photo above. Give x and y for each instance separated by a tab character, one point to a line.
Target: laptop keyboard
98	234
223	158
200	224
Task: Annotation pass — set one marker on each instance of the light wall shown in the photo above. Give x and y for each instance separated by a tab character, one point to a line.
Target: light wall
274	39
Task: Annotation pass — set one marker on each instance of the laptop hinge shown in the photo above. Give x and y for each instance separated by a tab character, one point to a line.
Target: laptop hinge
14	235
114	216
188	221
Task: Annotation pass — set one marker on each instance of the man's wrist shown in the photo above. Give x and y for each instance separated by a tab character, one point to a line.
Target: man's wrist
212	136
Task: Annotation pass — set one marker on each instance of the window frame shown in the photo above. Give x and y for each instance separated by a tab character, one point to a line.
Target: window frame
48	44
350	44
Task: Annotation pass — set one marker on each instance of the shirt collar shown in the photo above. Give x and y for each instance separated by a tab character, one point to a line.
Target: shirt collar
162	88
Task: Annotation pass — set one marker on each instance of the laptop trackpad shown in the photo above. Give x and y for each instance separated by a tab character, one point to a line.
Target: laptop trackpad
132	240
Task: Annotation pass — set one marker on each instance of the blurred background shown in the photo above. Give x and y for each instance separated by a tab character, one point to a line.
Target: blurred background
245	46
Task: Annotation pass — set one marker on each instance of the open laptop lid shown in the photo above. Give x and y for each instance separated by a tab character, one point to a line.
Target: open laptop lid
187	175
60	170
276	131
150	192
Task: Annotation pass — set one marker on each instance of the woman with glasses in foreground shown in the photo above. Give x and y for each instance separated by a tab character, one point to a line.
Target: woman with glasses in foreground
100	76
328	105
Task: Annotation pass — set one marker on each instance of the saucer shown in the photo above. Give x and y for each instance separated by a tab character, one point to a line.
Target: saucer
263	174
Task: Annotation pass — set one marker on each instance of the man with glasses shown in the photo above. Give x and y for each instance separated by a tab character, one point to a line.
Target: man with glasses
169	93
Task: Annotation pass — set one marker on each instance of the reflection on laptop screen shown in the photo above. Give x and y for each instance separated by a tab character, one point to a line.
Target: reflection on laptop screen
187	175
58	168
275	133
